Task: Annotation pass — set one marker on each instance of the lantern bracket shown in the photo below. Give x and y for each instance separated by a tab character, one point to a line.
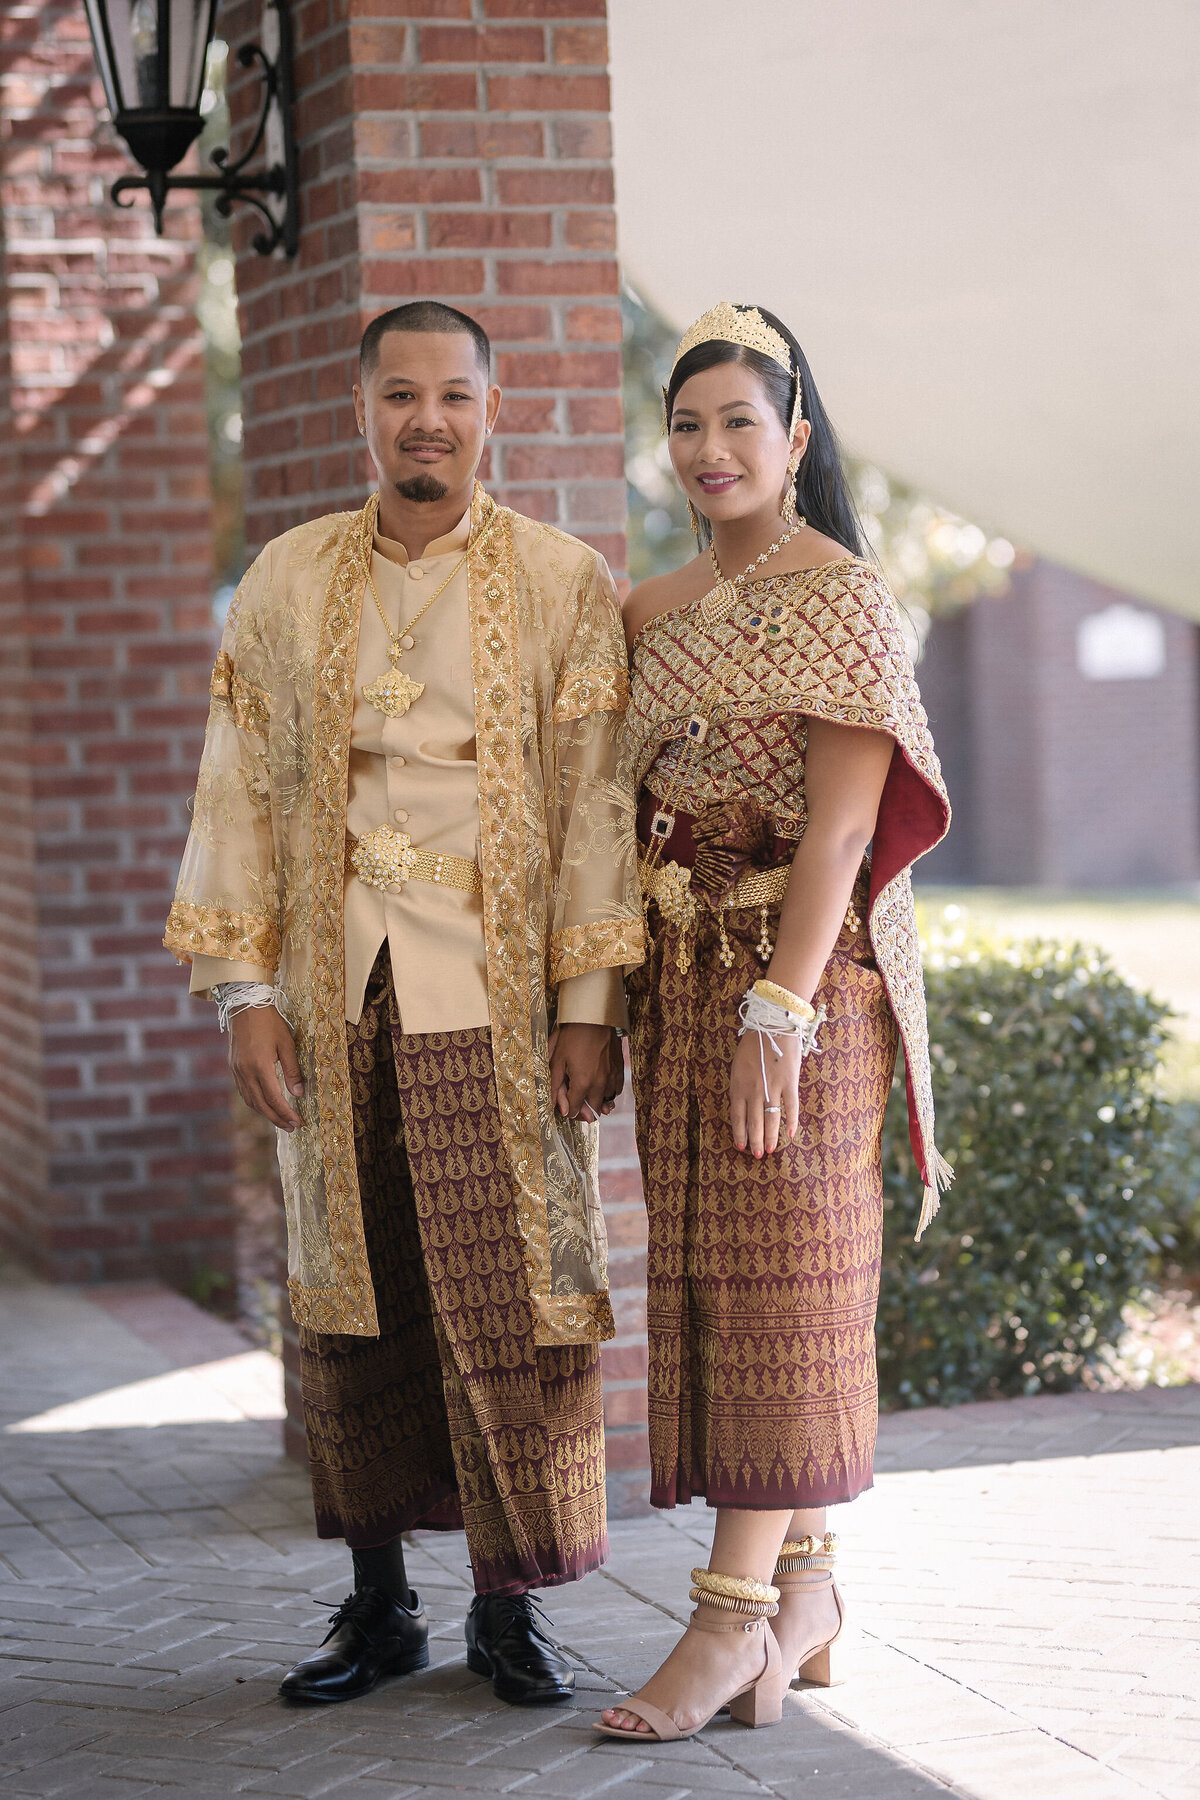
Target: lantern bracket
231	182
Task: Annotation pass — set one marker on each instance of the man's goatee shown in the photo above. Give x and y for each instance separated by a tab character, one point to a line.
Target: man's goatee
424	489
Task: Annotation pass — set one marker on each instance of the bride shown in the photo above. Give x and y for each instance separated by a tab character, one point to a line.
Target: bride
787	782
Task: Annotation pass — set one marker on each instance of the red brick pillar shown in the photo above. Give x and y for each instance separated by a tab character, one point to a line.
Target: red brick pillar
113	1098
457	150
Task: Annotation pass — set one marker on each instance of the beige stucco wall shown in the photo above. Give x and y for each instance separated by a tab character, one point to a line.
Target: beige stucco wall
978	217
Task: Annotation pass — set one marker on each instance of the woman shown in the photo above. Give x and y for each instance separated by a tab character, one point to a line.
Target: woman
775	732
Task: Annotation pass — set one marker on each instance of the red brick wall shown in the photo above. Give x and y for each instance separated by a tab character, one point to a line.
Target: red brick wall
1120	780
120	1169
22	1109
459	151
1059	780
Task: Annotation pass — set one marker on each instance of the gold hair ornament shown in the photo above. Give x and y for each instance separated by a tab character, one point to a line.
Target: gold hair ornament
728	324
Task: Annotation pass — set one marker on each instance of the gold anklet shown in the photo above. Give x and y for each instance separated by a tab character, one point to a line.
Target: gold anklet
809	1546
735	1587
799	1565
799	1554
754	1609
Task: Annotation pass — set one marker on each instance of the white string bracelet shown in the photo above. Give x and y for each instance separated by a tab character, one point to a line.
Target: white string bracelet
771	1021
233	997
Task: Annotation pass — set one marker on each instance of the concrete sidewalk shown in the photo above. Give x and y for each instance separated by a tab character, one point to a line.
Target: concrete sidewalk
1025	1579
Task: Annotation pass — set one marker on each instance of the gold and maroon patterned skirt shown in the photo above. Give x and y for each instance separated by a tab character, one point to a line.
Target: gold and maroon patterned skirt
452	1418
763	1276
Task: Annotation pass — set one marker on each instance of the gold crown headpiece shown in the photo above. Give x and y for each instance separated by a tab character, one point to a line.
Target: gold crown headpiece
729	324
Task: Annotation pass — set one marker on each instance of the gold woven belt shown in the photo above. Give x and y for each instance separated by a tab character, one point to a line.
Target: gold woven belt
669	885
384	858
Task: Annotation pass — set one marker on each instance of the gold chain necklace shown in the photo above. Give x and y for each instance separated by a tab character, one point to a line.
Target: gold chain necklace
394	692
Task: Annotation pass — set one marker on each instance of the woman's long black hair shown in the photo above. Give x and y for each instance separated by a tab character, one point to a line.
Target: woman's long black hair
823	494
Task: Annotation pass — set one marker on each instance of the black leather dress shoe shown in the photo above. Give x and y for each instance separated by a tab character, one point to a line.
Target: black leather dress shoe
505	1640
371	1636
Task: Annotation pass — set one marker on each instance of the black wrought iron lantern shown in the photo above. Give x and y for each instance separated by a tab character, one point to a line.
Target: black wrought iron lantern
151	56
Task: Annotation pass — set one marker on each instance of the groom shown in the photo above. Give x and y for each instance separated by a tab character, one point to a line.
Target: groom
410	886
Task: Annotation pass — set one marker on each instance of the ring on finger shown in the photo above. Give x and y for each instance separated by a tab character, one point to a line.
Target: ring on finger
772	1109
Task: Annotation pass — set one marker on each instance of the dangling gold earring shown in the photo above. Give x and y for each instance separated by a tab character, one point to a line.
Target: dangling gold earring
694	521
788	506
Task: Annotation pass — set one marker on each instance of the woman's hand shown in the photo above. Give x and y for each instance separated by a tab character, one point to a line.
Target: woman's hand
258	1039
754	1128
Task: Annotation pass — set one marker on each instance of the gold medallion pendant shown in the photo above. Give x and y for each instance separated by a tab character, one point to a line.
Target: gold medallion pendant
393	693
719	600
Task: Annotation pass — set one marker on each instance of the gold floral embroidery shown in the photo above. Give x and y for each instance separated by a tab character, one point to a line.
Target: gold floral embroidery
591	690
245	937
351	1305
553	1160
496	663
221	681
581	948
249	704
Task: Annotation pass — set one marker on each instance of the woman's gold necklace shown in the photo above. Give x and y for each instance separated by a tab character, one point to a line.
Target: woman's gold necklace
394	692
721	599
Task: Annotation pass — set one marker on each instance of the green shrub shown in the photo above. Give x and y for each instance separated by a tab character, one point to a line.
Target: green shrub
1177	1186
1044	1065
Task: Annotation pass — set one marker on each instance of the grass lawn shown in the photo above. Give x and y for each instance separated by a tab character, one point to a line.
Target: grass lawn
1153	938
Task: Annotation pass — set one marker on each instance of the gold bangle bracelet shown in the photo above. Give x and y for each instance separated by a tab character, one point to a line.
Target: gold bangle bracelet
735	1587
771	990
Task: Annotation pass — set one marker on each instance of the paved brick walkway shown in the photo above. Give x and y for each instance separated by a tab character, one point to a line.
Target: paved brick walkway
1025	1578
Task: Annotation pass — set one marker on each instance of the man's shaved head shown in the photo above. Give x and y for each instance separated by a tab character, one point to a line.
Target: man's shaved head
422	315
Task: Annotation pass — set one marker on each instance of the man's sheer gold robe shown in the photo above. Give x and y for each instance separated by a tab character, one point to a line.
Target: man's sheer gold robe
263	877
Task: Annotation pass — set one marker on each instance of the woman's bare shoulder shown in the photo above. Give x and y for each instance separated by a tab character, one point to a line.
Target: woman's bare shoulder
812	550
662	594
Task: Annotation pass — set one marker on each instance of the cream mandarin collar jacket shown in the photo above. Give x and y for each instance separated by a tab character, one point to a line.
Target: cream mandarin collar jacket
263	882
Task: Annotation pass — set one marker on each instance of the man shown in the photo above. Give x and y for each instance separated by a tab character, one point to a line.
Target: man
411	887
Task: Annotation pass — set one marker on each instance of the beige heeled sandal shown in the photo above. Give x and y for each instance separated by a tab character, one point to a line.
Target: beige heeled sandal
760	1702
804	1565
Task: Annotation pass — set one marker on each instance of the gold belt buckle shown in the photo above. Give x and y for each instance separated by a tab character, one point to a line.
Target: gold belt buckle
384	858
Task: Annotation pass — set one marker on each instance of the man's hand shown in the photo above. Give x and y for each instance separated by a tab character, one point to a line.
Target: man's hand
258	1039
587	1070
